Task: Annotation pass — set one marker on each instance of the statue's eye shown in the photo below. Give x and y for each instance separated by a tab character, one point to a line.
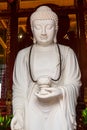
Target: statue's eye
38	27
50	26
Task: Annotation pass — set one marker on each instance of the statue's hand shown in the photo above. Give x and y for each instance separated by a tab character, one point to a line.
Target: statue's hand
49	93
17	122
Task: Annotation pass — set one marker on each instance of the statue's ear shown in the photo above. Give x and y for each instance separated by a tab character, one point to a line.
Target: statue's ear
34	40
55	37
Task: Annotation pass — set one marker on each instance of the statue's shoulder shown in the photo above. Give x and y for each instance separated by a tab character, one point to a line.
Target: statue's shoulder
24	52
64	48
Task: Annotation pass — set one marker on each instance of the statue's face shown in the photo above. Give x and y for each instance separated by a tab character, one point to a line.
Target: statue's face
44	31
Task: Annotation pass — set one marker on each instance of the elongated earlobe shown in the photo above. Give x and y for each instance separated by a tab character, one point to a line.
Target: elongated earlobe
55	37
34	40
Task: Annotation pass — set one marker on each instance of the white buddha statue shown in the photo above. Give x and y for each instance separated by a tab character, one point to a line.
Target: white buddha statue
46	79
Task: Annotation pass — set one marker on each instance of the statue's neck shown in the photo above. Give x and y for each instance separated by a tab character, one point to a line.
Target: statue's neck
44	48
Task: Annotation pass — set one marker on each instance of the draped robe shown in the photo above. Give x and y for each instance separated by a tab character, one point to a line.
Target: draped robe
58	113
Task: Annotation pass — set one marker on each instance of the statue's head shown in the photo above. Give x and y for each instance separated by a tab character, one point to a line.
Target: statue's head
44	25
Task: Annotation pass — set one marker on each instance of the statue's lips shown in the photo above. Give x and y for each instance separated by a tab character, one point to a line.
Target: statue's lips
43	37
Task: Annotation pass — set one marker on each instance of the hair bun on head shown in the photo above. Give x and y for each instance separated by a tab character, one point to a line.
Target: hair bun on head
44	8
43	13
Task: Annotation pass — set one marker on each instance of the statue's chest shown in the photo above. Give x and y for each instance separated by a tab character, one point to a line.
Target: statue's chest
45	63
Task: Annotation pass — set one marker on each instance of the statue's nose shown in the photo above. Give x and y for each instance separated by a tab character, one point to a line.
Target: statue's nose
43	31
44	35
